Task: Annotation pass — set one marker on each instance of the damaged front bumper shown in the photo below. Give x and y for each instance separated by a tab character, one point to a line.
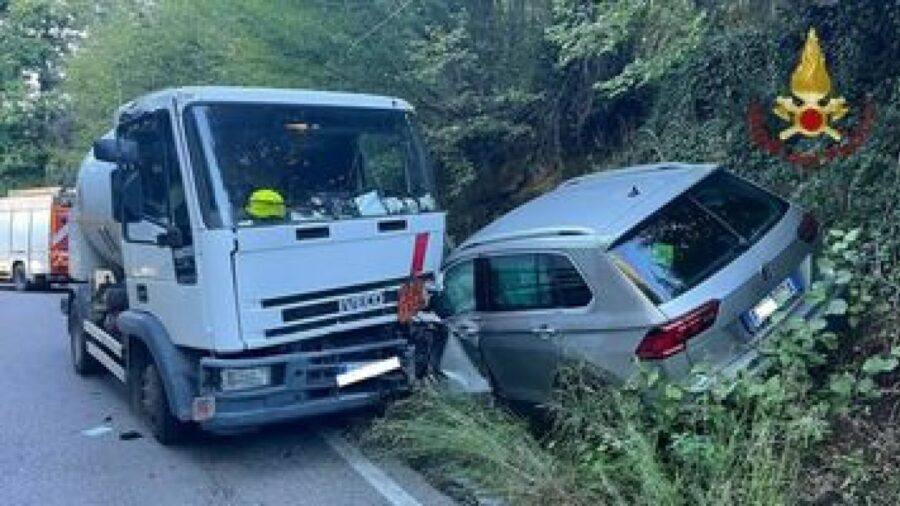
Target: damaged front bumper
300	385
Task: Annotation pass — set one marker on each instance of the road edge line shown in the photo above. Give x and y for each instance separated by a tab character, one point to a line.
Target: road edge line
374	476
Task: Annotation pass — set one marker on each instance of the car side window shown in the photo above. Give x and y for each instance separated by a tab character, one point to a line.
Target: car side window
569	288
534	281
459	288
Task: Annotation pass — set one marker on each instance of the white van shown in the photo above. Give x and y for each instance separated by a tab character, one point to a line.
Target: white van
34	239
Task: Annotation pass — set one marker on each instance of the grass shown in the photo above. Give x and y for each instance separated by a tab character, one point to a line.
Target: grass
602	449
468	441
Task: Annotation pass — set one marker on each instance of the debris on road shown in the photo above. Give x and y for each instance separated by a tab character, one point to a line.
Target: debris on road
97	431
130	435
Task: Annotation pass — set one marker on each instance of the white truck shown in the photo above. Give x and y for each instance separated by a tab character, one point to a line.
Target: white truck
34	237
242	255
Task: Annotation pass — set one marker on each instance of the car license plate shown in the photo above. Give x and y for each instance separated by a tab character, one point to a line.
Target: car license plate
777	298
362	372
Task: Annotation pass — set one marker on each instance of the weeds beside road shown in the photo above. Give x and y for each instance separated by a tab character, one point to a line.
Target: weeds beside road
756	439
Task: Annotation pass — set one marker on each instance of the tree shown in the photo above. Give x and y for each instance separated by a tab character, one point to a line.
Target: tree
35	35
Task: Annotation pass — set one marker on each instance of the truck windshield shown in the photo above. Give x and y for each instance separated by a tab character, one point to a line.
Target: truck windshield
323	163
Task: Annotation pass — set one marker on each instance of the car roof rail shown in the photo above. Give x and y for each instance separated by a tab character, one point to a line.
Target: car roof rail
528	234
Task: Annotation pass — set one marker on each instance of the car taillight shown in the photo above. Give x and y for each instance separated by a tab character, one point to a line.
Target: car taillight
808	229
671	338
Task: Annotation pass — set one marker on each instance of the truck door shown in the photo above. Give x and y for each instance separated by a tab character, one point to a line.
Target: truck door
158	250
39	243
21	225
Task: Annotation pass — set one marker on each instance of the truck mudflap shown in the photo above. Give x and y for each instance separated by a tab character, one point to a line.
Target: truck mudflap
305	384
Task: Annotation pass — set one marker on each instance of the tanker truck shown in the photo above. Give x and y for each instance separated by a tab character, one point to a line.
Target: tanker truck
244	256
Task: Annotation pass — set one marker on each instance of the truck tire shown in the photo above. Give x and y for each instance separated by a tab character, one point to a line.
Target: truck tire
20	279
83	362
154	405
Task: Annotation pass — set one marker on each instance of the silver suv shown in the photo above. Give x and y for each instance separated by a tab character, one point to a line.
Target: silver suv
672	264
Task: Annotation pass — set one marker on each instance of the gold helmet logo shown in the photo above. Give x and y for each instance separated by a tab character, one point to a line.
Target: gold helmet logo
809	113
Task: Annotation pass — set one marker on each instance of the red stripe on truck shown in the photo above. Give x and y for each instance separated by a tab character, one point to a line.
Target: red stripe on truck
418	260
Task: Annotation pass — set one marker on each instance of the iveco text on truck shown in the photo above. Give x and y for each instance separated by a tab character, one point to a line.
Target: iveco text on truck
243	254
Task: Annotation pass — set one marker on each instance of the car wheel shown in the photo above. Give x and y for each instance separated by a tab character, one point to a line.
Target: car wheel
154	405
20	279
82	361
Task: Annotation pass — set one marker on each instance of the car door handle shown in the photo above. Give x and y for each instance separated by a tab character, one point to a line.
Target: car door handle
469	329
544	331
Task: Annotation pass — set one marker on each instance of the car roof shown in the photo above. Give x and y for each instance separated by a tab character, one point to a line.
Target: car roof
198	94
599	206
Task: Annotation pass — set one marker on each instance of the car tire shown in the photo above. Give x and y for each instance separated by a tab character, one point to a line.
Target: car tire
20	279
154	405
82	361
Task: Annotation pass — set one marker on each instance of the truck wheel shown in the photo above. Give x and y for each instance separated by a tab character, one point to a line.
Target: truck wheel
155	407
20	279
83	362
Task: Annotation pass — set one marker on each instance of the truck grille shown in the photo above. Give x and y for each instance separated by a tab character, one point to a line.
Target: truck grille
319	311
307	370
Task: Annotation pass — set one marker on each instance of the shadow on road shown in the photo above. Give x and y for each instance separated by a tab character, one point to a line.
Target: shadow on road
284	435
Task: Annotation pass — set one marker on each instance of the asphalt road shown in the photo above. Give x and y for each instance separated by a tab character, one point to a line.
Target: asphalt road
48	458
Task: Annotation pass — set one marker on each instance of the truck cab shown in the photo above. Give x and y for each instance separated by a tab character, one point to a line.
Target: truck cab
244	253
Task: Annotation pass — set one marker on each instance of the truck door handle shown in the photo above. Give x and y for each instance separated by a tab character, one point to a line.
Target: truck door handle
544	331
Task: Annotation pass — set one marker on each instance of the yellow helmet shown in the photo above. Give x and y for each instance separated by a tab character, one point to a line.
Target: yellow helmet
266	203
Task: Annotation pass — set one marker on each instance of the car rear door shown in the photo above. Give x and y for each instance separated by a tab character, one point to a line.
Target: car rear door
771	274
723	240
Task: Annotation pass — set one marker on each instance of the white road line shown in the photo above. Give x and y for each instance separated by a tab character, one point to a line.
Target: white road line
388	488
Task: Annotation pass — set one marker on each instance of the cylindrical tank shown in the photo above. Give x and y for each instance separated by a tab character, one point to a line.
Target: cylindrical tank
97	237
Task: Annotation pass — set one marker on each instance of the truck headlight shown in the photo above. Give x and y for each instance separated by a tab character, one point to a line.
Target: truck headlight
245	378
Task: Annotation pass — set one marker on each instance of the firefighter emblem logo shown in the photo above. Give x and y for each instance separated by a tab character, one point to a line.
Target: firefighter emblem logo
810	131
811	88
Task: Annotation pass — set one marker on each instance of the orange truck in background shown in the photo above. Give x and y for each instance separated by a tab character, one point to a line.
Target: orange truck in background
34	237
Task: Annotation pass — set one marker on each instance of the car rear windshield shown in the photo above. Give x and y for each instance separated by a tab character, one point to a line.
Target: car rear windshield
695	235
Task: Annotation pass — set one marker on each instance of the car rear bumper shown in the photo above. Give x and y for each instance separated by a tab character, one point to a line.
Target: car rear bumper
306	385
753	361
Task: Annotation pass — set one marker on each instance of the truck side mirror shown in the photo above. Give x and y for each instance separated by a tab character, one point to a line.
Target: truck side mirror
119	151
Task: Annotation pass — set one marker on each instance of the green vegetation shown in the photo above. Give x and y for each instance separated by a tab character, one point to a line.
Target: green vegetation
516	96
